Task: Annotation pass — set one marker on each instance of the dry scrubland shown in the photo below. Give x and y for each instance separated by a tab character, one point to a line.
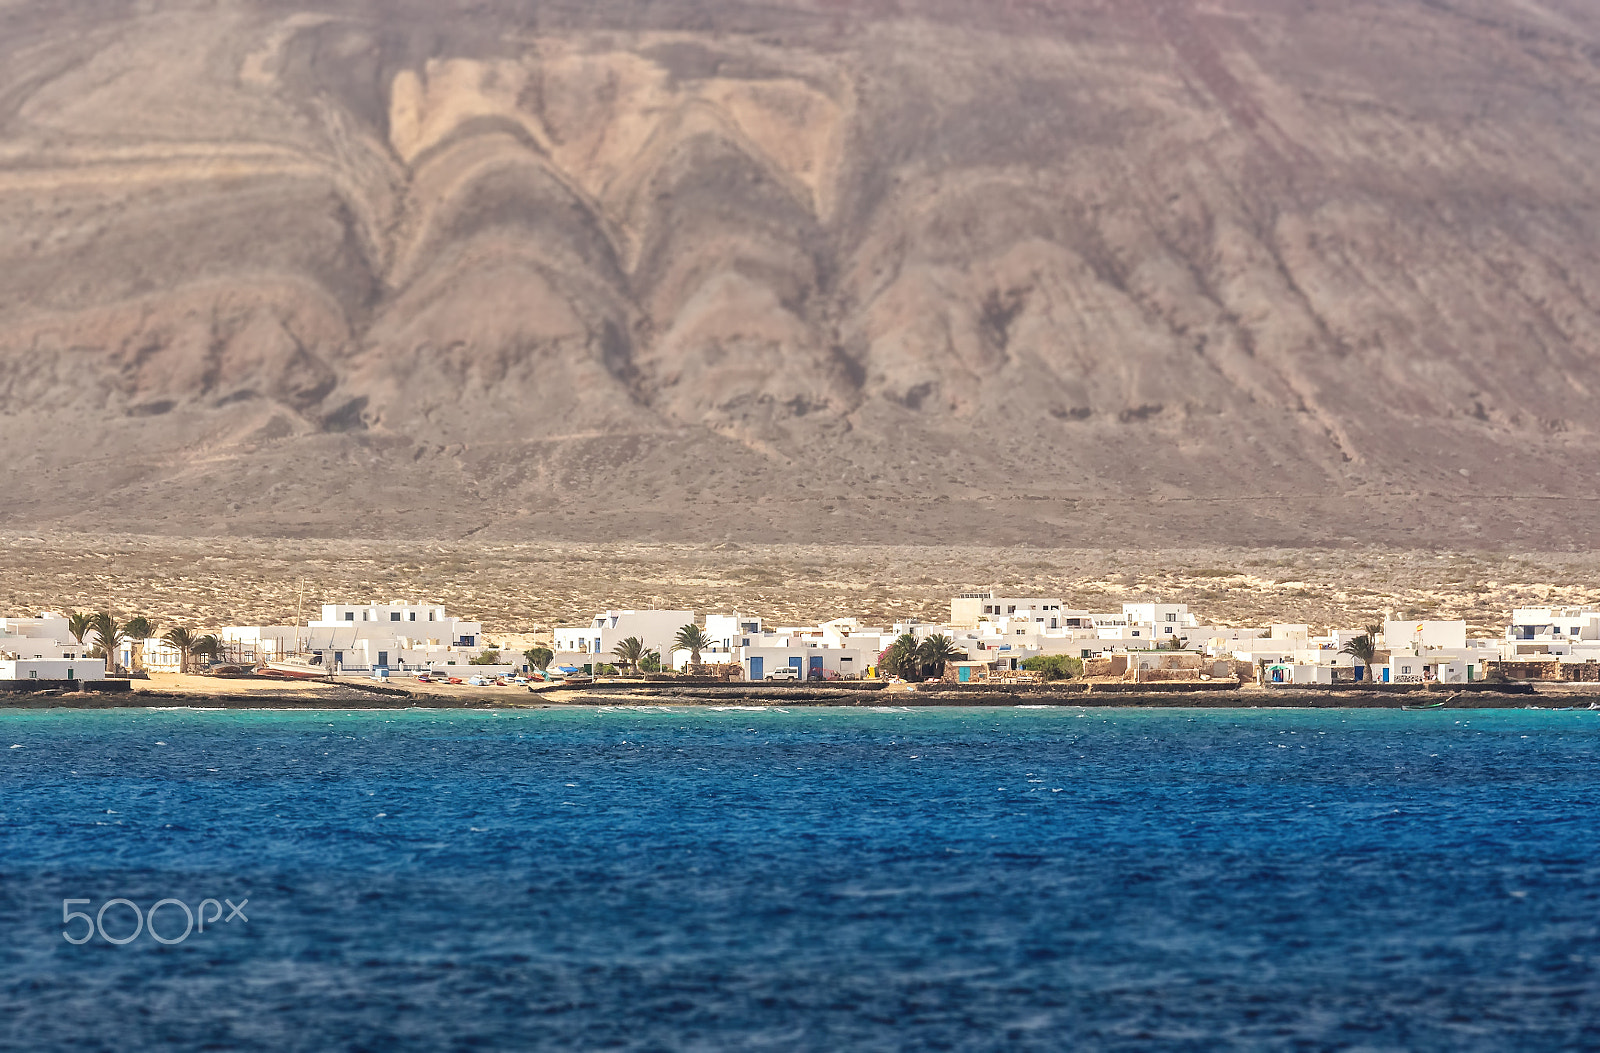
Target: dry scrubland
511	587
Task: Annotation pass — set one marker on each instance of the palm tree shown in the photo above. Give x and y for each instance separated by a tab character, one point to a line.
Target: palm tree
693	639
78	624
108	637
935	651
182	641
209	646
139	629
1363	649
630	651
901	658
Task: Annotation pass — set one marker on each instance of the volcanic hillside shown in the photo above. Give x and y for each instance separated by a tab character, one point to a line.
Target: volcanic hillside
1255	271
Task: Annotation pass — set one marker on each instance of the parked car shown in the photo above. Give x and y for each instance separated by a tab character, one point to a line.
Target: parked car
787	672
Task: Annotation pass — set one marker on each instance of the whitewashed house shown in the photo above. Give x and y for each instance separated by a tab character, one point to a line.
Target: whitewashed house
52	669
44	637
970	608
597	641
361	638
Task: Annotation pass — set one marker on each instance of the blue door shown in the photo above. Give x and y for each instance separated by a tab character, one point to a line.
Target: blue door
383	659
1386	674
795	664
758	668
816	665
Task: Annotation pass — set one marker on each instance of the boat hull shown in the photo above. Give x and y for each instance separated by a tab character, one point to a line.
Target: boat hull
292	671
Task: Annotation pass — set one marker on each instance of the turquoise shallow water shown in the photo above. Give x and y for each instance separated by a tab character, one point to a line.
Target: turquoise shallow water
812	879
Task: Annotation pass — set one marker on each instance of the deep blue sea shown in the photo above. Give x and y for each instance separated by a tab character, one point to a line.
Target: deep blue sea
813	879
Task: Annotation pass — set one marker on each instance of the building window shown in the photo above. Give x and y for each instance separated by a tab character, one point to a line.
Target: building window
412	616
394	616
1169	630
366	616
349	616
1136	632
1172	617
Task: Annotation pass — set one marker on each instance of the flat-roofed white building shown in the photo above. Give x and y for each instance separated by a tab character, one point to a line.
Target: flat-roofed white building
1419	637
809	661
53	669
969	608
359	638
43	637
657	629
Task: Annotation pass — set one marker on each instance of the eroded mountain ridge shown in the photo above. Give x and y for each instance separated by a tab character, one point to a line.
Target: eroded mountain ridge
1254	270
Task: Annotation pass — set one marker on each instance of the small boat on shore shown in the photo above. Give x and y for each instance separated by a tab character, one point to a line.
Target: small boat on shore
295	668
573	680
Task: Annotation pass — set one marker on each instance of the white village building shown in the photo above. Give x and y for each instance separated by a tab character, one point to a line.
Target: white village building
54	669
361	638
656	629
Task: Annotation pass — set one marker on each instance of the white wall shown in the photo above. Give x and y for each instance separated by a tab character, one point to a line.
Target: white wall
1399	636
845	661
657	629
88	669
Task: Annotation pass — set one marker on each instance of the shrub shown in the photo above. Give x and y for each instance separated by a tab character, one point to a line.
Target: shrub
1055	666
486	658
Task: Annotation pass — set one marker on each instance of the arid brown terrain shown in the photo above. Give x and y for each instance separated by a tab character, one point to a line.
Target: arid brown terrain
1135	275
527	588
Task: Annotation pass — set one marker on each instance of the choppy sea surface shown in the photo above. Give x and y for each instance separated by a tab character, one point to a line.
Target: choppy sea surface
816	879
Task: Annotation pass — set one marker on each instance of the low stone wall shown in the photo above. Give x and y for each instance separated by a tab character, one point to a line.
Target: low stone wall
97	686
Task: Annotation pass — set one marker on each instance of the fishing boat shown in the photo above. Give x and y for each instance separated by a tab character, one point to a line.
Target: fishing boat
294	667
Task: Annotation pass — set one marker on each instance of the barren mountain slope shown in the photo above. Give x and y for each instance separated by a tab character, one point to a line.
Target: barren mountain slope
1247	271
